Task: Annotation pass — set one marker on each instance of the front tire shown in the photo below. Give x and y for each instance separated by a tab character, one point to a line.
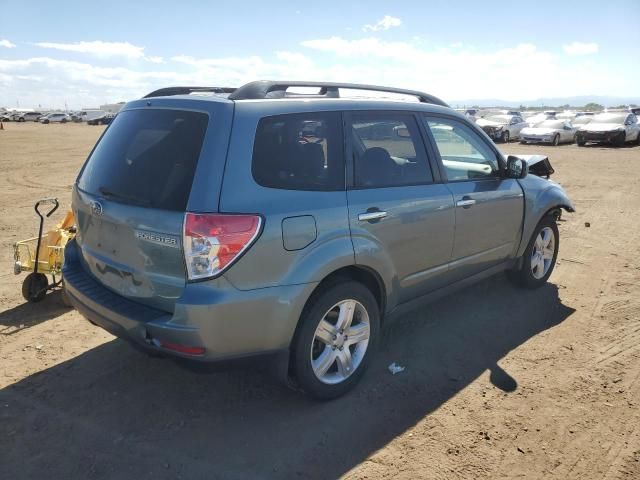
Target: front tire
539	258
619	140
505	136
336	339
556	140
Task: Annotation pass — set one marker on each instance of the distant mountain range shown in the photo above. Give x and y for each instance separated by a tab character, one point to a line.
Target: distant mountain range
550	101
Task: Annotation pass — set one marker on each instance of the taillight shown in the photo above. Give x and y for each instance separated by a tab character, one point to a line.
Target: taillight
213	241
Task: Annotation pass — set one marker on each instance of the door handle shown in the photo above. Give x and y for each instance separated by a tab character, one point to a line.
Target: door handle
371	216
466	202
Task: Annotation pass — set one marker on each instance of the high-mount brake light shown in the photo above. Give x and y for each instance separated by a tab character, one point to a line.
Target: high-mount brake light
213	241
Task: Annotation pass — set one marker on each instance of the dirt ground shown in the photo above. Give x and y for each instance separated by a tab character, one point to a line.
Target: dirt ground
499	382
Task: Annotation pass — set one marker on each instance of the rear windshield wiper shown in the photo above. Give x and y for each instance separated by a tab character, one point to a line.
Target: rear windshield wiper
120	196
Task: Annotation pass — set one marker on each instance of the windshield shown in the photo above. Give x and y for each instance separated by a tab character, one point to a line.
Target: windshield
551	124
582	120
610	118
499	118
147	158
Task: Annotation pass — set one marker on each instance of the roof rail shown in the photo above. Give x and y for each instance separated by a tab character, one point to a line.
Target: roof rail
170	91
274	89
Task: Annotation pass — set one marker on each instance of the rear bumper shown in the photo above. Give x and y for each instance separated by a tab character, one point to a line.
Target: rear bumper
226	322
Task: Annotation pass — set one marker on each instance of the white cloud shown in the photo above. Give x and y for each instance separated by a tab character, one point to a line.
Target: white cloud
385	23
7	44
580	48
295	58
453	72
98	48
462	72
153	59
80	84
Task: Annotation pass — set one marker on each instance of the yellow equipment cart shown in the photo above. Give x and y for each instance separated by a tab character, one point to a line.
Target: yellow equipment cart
43	254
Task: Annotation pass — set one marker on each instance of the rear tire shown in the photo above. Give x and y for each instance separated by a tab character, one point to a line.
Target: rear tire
539	258
326	359
34	287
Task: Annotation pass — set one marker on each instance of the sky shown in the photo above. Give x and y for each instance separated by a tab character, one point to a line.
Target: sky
84	53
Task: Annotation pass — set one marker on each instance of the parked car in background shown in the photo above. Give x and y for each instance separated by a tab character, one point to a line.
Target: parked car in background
533	120
566	115
503	127
77	117
470	113
104	119
55	118
29	117
10	116
581	120
267	239
615	128
553	132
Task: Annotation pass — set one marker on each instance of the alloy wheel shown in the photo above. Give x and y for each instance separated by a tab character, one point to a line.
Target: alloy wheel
340	342
543	252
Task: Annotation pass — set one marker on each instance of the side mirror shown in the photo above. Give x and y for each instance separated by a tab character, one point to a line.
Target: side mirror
516	167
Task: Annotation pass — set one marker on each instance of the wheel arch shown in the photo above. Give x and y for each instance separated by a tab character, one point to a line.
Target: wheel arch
555	211
359	273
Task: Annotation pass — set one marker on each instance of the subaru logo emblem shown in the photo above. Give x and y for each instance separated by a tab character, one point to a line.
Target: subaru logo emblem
96	208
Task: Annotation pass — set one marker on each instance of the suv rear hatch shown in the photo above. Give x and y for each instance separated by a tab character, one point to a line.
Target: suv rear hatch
132	194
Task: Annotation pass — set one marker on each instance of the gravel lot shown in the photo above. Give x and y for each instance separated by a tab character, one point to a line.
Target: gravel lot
499	382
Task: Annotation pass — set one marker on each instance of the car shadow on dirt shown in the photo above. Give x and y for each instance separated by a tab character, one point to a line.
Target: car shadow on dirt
27	314
115	413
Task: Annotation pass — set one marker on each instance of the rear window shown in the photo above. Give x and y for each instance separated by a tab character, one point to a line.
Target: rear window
299	152
147	158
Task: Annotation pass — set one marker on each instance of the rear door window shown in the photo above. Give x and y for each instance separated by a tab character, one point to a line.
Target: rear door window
299	152
387	150
147	158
